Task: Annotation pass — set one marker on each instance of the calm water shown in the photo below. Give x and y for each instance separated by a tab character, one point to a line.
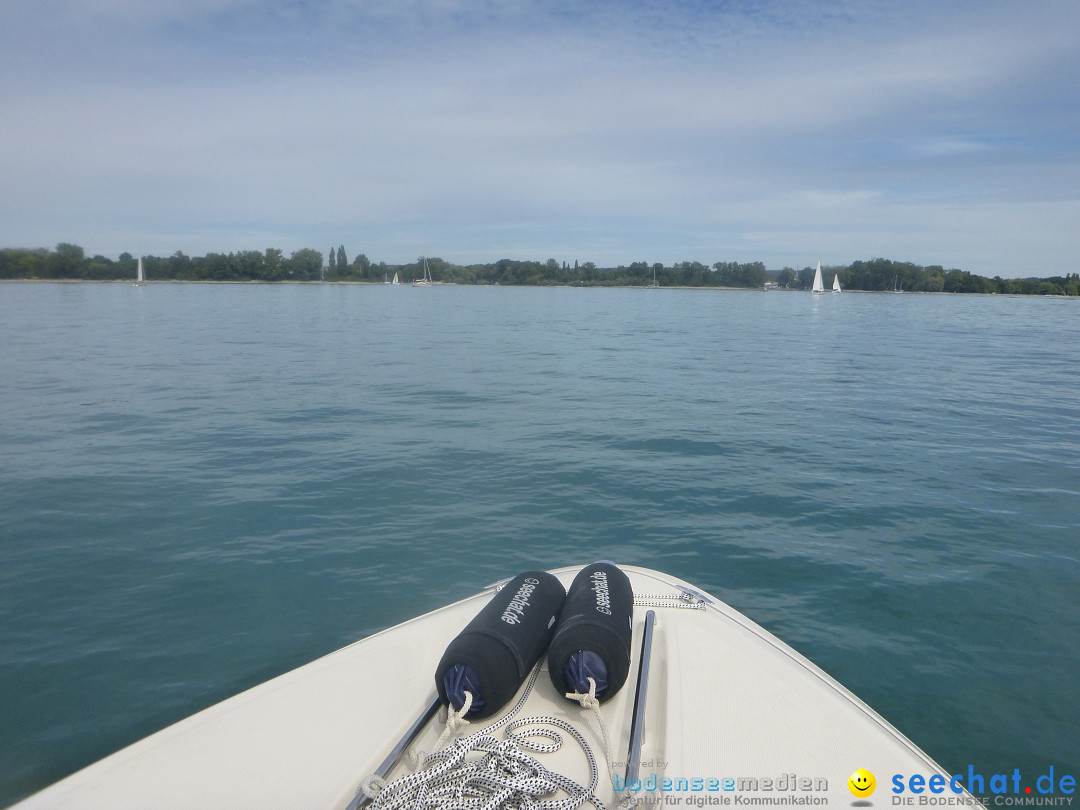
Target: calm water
204	486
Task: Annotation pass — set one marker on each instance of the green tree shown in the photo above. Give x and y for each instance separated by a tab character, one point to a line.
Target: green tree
749	275
21	263
273	265
249	265
99	267
362	266
694	274
179	266
304	265
66	261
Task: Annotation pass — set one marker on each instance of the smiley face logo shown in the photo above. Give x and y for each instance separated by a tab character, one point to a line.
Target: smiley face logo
861	783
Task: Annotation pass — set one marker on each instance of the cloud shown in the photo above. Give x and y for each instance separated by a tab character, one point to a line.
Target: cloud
622	130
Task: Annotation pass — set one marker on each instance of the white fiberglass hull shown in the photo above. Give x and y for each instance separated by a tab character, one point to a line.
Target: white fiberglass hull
725	700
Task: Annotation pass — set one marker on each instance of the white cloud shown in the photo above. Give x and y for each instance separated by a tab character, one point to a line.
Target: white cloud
662	130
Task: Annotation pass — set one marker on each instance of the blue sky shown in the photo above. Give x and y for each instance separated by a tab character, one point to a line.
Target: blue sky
788	132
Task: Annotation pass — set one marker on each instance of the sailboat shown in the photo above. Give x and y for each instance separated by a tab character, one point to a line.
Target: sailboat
654	285
426	280
395	281
836	283
140	277
897	287
819	285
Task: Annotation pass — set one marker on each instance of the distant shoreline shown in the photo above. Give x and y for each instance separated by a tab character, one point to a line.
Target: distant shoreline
260	283
69	262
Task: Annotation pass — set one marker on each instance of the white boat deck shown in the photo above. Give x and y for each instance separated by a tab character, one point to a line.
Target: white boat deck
725	700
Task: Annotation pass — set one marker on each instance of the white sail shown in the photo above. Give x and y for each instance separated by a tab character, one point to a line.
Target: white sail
836	283
819	285
395	281
426	280
140	278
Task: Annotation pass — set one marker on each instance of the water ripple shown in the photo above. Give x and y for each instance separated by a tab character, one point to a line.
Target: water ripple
206	485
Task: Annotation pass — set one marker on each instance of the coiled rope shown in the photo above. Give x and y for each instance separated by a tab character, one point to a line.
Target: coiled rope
483	772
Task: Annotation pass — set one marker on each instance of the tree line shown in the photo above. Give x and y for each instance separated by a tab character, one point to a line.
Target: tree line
881	275
69	262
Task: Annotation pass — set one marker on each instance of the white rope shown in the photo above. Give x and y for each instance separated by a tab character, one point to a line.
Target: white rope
372	785
483	772
498	774
686	601
454	720
590	701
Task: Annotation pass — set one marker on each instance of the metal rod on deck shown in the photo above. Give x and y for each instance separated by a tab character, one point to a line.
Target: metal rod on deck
633	756
361	799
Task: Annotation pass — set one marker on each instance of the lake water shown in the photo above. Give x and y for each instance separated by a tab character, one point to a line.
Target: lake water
202	486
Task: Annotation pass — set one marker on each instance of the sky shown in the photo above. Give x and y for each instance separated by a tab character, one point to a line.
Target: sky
931	131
